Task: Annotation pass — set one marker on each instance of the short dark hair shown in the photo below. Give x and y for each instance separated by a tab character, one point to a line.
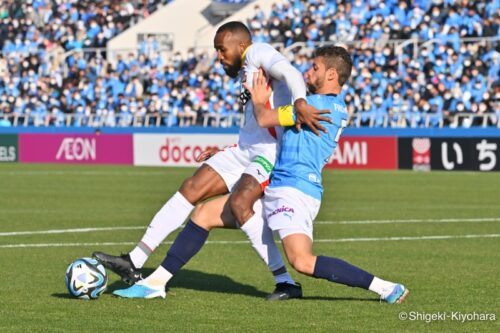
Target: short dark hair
235	27
336	57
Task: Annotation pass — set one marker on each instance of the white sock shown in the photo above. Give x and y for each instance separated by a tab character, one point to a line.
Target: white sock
140	254
169	218
380	286
261	237
159	278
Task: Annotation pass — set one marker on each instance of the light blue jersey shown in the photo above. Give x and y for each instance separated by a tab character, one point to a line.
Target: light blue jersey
303	154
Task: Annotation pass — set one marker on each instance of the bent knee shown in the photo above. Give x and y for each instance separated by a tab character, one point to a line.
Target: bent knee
241	207
190	190
195	190
205	183
304	265
201	217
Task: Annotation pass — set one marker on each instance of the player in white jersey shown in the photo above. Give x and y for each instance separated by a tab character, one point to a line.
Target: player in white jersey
244	168
292	200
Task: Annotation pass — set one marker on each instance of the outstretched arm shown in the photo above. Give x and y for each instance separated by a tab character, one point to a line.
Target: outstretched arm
283	115
305	113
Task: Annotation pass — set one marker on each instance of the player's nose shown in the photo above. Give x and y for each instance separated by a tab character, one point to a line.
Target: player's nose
306	75
219	56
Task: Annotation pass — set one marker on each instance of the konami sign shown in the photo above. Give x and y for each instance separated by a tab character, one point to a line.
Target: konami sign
365	153
351	153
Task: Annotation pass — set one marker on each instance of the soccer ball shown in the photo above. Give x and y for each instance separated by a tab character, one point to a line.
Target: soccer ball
86	278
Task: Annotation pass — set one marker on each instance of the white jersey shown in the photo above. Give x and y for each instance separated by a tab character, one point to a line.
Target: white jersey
261	55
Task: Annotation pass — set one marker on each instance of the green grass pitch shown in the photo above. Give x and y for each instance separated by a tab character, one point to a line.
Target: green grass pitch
435	232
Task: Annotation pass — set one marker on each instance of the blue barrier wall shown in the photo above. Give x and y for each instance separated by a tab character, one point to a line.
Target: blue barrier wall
399	132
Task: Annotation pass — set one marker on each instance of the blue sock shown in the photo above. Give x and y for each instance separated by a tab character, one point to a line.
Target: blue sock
186	245
339	271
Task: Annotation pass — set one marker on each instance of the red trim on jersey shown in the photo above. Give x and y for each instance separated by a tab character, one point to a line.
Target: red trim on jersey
229	146
264	185
271	130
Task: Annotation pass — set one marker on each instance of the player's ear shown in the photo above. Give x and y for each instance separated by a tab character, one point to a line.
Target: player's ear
242	46
332	75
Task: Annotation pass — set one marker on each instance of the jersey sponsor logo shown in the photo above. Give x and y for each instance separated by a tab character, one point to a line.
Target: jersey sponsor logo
287	211
77	149
268	166
260	173
313	178
339	108
245	95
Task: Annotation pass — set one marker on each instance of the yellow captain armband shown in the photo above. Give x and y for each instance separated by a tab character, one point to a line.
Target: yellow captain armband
286	116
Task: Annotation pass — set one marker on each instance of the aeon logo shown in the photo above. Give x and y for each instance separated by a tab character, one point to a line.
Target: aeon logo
77	149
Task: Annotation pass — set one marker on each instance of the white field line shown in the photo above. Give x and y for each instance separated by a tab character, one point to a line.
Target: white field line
338	240
83	173
66	231
449	220
82	230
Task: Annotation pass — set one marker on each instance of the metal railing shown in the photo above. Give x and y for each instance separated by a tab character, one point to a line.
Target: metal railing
411	120
96	121
392	120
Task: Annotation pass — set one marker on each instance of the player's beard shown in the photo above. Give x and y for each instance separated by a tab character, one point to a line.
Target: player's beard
313	87
233	70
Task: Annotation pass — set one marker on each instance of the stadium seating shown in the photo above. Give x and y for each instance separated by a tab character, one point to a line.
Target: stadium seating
418	66
227	7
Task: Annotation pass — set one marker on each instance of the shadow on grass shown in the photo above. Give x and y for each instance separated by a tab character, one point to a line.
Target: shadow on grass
195	280
247	290
61	295
201	281
339	299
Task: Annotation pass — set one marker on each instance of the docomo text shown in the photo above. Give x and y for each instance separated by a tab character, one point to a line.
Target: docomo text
171	151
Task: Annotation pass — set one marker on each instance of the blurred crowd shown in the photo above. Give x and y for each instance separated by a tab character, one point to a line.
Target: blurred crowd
423	85
429	84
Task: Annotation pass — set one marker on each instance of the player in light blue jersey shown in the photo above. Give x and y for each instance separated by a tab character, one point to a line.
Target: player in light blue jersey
303	155
292	200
